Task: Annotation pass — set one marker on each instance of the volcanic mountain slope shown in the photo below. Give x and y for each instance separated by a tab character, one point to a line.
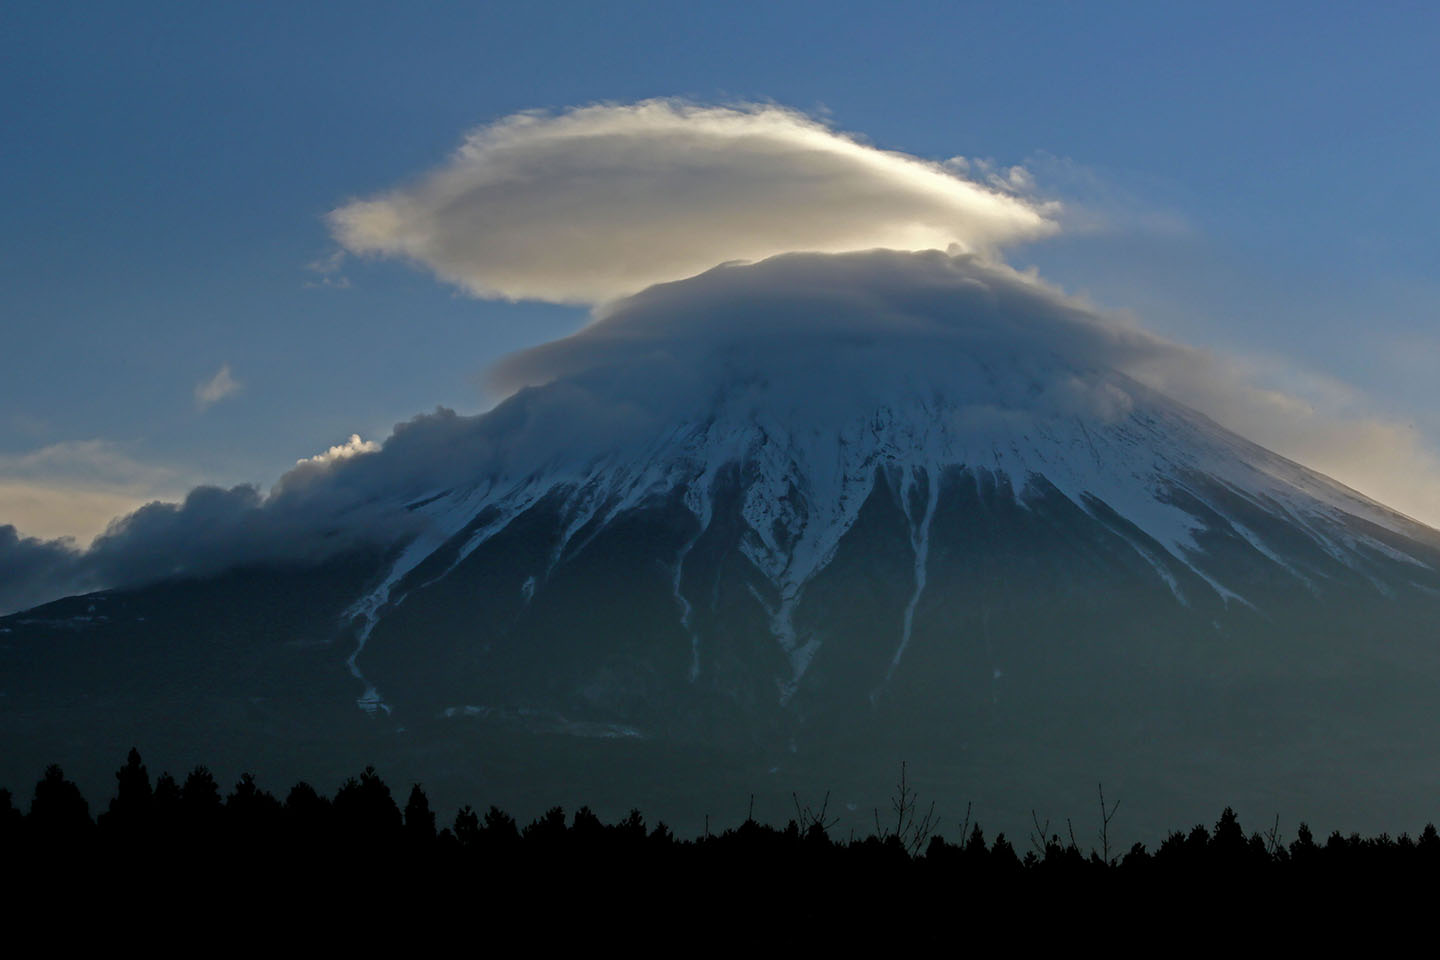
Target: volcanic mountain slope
791	525
942	518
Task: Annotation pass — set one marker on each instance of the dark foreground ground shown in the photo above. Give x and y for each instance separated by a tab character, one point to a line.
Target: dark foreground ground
162	854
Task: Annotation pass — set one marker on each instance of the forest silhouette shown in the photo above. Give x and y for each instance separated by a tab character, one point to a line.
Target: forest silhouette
191	841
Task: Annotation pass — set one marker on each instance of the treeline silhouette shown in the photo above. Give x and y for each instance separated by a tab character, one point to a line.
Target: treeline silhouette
174	836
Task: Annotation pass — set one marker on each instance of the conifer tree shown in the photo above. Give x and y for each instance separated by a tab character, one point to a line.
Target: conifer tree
1304	848
467	827
306	817
364	806
500	827
1228	841
165	801
130	809
419	818
252	814
11	820
58	812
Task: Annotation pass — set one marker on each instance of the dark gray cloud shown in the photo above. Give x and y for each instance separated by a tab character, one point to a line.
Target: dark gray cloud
33	570
209	531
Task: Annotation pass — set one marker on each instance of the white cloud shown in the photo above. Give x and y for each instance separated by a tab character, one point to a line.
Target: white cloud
350	448
212	391
601	201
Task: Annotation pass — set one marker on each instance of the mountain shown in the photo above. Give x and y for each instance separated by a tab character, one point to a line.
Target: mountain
784	544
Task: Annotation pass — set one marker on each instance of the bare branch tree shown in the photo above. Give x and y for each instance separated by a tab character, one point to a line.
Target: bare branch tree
809	818
1040	838
911	830
1105	818
1272	838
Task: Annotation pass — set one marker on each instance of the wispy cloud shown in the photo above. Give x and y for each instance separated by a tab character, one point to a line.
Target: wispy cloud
1087	200
216	388
328	270
587	205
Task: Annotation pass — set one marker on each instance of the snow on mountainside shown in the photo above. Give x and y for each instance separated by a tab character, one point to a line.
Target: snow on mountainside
973	377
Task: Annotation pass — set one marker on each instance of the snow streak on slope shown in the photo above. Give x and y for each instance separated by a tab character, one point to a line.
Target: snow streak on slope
698	500
445	516
805	472
807	379
920	543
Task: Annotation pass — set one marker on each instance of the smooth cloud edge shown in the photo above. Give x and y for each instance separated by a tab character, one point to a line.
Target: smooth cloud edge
418	222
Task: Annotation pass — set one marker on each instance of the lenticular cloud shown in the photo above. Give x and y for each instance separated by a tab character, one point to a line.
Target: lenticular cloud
597	202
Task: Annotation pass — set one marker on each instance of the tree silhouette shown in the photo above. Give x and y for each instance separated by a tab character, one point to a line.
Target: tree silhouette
128	816
200	805
58	812
302	803
911	830
1228	841
1106	815
165	808
419	820
632	828
546	832
364	806
306	819
252	815
200	794
500	828
11	820
1304	850
467	828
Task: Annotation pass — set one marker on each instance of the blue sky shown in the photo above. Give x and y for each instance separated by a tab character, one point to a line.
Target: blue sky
1257	179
